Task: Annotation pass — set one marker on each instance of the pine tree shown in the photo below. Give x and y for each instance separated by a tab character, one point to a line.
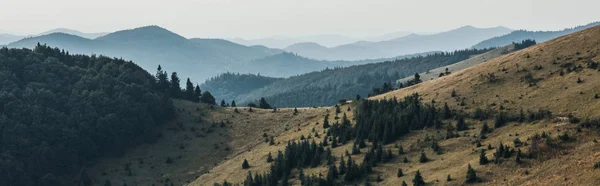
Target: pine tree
162	79
174	88
295	110
197	94
208	98
423	158
399	173
482	158
262	103
418	180
484	129
448	178
447	112
461	125
471	175
189	90
326	122
400	150
233	104
223	104
249	181
245	164
404	183
342	167
405	160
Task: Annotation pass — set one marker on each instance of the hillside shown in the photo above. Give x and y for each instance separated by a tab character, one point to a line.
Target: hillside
442	145
547	71
59	112
456	39
228	86
199	139
327	86
520	35
431	74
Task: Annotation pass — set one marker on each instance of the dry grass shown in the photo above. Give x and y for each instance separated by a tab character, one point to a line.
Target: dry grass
474	60
561	94
569	164
231	170
202	150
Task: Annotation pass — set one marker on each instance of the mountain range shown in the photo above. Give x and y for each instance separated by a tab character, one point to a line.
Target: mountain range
196	58
538	36
460	38
9	38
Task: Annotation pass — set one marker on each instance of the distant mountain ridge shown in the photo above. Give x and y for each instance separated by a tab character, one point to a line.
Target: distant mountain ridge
196	58
463	37
539	36
9	38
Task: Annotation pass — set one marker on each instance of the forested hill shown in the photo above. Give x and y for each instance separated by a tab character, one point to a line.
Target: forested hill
538	36
327	86
229	85
59	111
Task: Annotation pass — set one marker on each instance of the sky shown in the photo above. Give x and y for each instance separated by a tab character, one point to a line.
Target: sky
264	18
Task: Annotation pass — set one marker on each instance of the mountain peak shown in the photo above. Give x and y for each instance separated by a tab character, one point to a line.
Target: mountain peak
146	33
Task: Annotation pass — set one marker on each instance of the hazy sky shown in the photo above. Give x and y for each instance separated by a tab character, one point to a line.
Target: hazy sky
258	18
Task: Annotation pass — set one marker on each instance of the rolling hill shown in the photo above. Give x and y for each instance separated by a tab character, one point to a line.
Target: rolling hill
327	86
538	36
463	37
153	45
554	142
431	74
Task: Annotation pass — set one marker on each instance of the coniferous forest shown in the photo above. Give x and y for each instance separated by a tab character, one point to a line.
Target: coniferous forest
326	87
60	111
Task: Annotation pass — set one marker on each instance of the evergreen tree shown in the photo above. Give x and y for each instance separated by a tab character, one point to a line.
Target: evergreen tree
484	129
461	125
404	183
189	90
400	150
262	103
208	98
447	112
482	158
418	180
245	164
197	94
326	122
423	158
399	173
471	175
233	104
223	104
162	79
295	110
174	88
448	178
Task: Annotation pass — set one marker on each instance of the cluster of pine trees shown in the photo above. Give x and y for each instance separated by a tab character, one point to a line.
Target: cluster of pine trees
59	111
172	88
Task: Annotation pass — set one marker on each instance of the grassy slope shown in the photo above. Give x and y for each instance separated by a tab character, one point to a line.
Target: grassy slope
475	60
560	94
242	132
569	165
